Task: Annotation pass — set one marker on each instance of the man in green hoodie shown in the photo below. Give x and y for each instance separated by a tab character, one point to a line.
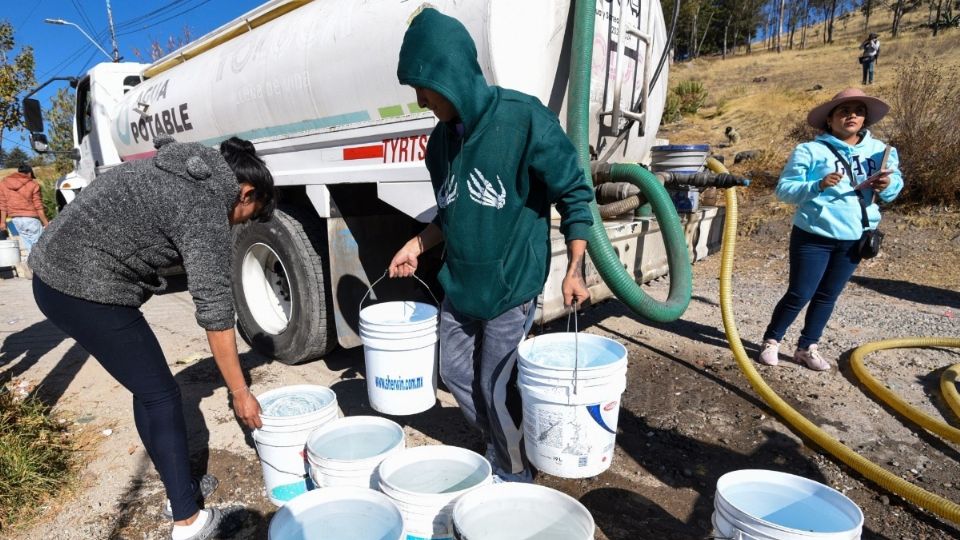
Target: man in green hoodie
497	159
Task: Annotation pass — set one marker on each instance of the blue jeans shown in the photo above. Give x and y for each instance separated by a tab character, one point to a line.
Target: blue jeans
820	267
478	363
29	229
868	72
121	340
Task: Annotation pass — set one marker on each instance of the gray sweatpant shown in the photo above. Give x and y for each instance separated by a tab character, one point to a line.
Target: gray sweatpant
478	363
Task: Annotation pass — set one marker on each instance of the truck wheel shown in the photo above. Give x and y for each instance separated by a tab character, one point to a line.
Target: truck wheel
281	287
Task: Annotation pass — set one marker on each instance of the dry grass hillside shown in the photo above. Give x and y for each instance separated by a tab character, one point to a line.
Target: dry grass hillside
765	112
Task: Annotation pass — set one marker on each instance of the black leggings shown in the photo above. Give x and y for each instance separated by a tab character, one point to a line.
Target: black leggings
121	340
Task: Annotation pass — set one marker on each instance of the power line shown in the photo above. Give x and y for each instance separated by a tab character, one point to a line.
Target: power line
73	57
155	13
35	6
18	143
175	15
89	60
83	16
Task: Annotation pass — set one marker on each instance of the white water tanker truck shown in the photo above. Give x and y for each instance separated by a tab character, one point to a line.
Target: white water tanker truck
313	84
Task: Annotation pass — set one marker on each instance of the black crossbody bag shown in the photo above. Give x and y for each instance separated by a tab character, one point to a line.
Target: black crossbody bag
871	239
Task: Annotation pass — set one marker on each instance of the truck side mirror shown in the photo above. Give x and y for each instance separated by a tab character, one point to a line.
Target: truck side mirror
39	143
75	153
33	114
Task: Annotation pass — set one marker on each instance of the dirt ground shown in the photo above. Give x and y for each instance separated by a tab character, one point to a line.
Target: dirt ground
688	415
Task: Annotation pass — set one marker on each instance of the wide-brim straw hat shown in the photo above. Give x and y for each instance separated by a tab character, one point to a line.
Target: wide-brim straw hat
876	108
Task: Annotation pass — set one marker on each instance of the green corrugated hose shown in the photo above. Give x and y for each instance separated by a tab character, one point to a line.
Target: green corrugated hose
608	264
889	481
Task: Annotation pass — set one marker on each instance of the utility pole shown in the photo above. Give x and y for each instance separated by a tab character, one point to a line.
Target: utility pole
113	34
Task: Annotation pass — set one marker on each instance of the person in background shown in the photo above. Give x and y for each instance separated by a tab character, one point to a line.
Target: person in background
99	261
828	223
497	159
21	202
868	60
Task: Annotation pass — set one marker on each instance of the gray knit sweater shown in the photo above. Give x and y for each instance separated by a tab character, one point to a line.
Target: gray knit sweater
139	217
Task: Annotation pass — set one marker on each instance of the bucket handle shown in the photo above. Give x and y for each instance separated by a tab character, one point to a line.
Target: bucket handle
278	469
576	343
385	272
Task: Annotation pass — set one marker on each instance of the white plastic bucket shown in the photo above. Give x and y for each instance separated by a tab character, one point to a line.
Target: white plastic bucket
425	483
9	253
399	316
347	451
570	416
514	511
755	504
335	513
289	414
400	353
679	157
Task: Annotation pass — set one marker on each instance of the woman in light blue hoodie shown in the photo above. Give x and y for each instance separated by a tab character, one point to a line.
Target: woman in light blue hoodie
834	180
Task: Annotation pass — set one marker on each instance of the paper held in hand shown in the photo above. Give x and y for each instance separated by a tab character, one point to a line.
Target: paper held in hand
883	165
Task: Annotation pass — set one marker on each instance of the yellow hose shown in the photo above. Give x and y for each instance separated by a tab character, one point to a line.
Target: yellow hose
922	419
948	387
891	482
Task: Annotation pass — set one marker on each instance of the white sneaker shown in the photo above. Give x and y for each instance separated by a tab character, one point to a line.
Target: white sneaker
205	486
770	353
811	358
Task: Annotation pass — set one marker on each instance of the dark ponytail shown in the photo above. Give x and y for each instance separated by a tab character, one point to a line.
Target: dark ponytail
242	158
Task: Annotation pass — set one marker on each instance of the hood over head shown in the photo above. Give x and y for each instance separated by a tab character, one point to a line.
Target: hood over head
438	53
17	180
198	164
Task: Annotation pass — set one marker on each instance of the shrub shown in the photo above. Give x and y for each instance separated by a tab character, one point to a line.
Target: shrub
671	109
801	132
692	96
47	179
924	116
37	457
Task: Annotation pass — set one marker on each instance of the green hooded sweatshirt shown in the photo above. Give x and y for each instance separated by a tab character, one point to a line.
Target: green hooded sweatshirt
495	173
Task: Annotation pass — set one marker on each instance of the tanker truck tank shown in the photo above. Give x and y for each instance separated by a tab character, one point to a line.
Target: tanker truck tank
313	84
323	76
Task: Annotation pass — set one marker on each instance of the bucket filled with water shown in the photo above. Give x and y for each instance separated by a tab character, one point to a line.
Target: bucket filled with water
289	415
514	511
425	483
334	513
347	451
771	505
571	401
400	354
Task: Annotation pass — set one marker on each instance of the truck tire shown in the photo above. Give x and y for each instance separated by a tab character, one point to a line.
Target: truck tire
281	287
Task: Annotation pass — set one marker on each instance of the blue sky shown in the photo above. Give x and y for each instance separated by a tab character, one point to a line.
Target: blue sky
63	50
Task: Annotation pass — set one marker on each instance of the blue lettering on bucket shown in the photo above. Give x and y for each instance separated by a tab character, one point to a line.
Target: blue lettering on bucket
597	415
388	383
289	491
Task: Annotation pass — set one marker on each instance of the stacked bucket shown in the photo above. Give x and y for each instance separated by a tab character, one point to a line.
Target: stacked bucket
400	352
681	158
289	415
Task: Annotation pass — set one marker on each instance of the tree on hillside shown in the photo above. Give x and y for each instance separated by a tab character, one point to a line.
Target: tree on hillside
60	124
901	8
16	158
16	76
158	50
3	157
866	8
